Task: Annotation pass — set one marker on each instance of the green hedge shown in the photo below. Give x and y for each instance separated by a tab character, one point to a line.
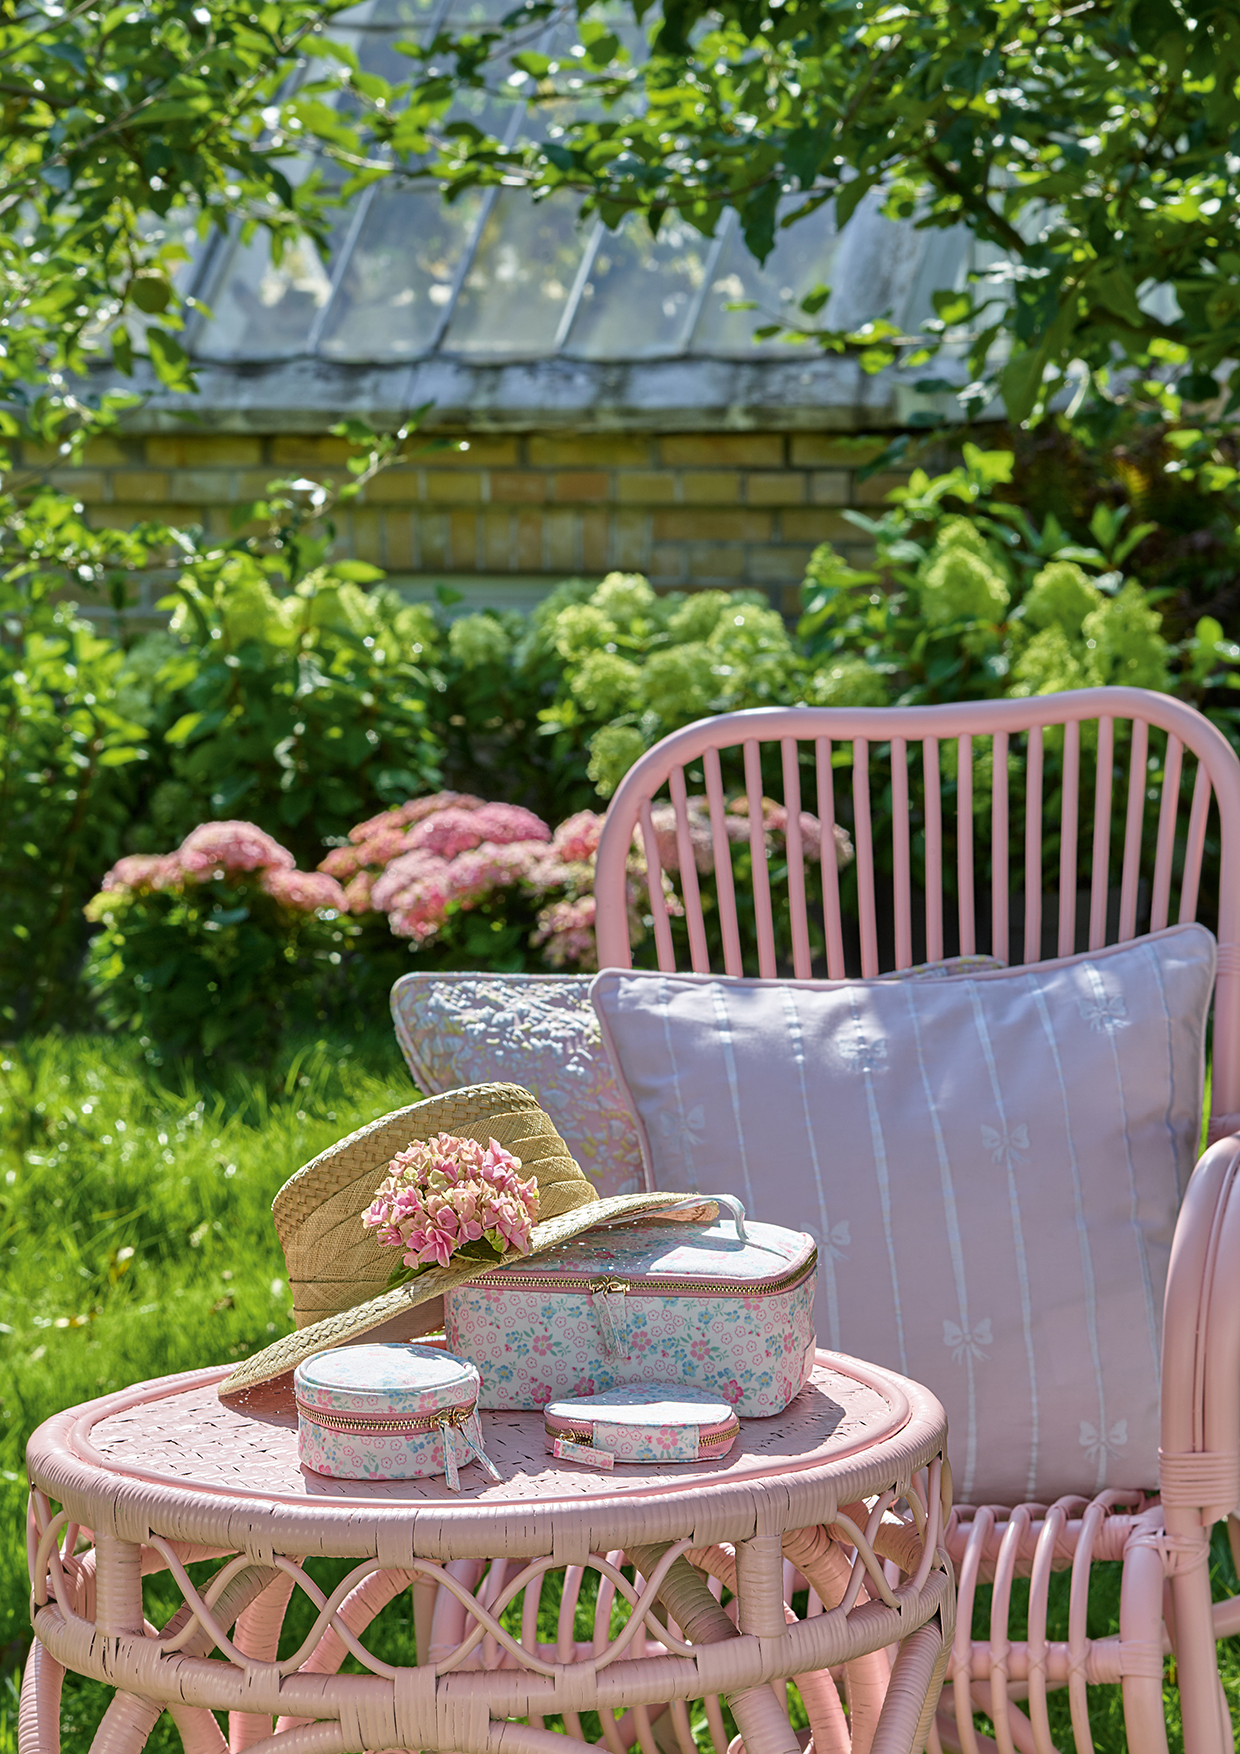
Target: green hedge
303	704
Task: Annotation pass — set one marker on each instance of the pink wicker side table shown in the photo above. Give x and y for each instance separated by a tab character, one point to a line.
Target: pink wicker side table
847	1489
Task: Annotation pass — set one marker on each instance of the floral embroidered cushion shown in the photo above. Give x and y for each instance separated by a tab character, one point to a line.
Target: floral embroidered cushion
990	1162
536	1030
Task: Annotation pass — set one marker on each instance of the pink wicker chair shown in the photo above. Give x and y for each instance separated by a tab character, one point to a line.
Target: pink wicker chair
1082	741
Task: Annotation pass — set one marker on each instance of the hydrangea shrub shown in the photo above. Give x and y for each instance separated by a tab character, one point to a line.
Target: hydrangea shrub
217	947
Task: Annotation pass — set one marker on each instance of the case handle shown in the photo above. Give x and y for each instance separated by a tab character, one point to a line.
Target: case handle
728	1201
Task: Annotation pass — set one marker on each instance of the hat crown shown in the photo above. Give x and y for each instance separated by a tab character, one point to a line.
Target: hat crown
333	1262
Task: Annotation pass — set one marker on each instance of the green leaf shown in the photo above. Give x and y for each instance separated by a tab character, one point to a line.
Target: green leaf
120	755
1115	290
360	572
151	293
852	194
1020	382
170	360
1152	20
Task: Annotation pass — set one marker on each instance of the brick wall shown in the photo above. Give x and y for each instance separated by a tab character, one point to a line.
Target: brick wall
688	510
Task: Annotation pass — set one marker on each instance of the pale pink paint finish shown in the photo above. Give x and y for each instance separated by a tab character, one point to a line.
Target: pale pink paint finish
1163	1545
165	1475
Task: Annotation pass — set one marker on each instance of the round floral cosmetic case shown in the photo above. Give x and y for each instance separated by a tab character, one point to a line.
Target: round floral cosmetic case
388	1412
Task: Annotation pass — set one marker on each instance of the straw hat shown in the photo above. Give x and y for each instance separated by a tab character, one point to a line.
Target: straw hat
339	1274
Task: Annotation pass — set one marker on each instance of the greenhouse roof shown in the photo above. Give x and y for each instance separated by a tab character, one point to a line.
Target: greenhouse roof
509	312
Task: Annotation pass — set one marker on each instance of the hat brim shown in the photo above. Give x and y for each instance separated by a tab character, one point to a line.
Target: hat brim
346	1326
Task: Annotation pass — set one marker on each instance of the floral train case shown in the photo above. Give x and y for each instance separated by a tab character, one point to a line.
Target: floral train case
726	1308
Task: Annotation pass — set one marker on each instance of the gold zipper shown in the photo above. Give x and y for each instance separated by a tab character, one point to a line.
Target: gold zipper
655	1287
705	1441
386	1427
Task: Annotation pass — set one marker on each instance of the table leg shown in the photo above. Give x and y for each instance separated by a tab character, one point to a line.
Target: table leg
258	1635
118	1586
763	1724
38	1715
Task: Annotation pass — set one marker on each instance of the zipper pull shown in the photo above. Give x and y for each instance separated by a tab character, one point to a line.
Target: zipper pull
446	1425
607	1298
574	1448
471	1431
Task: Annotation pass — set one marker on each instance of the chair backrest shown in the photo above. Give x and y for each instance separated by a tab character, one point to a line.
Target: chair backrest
1064	822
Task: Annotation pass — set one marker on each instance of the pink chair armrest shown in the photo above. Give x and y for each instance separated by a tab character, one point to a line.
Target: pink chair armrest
1200	1438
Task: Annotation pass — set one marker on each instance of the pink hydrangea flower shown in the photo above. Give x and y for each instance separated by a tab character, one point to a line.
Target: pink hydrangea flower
357	893
144	871
341	863
384	846
447	833
442	1193
304	891
476	874
566	933
415	810
407	878
232	846
576	839
511	822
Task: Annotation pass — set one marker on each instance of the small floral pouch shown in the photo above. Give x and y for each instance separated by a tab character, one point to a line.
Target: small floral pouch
388	1412
642	1422
726	1307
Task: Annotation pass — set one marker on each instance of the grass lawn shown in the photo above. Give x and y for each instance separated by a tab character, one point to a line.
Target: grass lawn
136	1239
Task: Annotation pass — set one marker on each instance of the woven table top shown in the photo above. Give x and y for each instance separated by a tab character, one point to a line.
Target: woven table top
170	1458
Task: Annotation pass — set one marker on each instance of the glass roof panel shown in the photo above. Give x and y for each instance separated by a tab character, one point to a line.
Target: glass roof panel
642	293
801	260
397	284
496	274
517	288
259	310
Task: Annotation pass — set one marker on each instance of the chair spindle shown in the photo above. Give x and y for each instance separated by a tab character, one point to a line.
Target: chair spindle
1160	904
757	850
1132	831
964	845
1104	773
690	893
900	853
1195	845
802	966
654	884
934	850
725	889
832	922
1033	846
999	829
1070	799
864	835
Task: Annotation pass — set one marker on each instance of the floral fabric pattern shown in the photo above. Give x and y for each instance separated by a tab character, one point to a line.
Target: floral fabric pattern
639	1423
383	1382
538	1031
535	1344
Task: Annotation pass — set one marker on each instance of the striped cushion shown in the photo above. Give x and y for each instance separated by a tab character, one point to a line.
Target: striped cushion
991	1164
